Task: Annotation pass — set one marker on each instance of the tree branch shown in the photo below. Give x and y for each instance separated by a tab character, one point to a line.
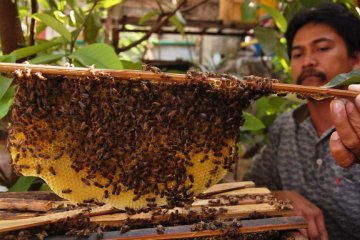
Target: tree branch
160	7
78	31
12	36
34	8
153	29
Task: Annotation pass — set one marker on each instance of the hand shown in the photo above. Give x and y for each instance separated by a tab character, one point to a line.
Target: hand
345	141
313	215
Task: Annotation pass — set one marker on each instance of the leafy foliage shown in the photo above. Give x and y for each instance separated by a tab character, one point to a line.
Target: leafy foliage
252	123
278	18
6	101
344	79
54	24
23	184
99	54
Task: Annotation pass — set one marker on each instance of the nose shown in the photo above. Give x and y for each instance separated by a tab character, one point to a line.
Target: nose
309	61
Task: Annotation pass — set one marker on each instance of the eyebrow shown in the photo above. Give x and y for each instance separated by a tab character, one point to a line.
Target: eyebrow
319	40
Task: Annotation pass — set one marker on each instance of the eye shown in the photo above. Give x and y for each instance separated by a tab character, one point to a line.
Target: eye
296	55
323	49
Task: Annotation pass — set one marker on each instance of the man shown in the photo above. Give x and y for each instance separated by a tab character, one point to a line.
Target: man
322	43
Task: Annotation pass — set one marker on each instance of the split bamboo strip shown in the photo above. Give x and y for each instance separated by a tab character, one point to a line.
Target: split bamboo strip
226	187
17	224
25	204
160	77
184	231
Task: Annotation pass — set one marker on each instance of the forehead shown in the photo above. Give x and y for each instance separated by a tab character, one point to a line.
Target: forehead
311	32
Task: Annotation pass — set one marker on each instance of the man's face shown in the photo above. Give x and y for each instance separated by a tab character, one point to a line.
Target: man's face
318	54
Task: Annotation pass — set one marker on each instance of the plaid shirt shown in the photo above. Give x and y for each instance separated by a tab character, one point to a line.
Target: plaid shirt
295	158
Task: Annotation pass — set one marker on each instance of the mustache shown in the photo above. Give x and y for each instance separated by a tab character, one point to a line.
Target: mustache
310	72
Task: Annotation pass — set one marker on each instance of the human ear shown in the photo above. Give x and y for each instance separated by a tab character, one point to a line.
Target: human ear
357	60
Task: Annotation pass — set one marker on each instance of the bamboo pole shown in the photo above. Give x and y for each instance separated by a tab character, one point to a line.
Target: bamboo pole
161	77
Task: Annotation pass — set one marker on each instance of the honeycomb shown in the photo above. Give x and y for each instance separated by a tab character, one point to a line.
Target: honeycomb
128	143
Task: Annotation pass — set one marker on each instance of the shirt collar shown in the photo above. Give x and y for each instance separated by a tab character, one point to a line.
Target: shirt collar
301	116
301	113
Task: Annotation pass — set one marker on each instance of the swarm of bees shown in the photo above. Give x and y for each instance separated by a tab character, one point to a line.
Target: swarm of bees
133	143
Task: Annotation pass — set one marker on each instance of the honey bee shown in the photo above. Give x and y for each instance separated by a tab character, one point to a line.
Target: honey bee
38	169
191	178
151	205
208	183
160	229
147	67
16	158
23	166
59	155
87	182
98	185
52	170
67	190
18	74
27	72
124	229
92	70
106	194
40	76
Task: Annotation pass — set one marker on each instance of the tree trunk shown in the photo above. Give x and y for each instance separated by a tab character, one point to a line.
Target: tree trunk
11	34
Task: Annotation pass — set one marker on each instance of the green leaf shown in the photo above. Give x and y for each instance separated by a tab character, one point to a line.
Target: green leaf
92	28
6	101
28	51
281	53
4	85
251	122
344	79
276	105
248	11
278	18
54	24
267	38
131	65
99	54
109	3
8	58
178	24
23	184
147	16
262	105
44	4
45	187
46	58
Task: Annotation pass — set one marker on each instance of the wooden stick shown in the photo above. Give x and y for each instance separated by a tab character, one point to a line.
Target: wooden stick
32	195
308	90
161	77
25	204
184	231
225	187
10	225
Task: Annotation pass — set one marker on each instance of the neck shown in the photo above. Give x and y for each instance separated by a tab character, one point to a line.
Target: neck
320	115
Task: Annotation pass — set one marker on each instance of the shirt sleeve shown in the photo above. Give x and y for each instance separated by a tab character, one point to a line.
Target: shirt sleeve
263	170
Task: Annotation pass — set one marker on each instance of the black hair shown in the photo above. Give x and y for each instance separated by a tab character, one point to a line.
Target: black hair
337	16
